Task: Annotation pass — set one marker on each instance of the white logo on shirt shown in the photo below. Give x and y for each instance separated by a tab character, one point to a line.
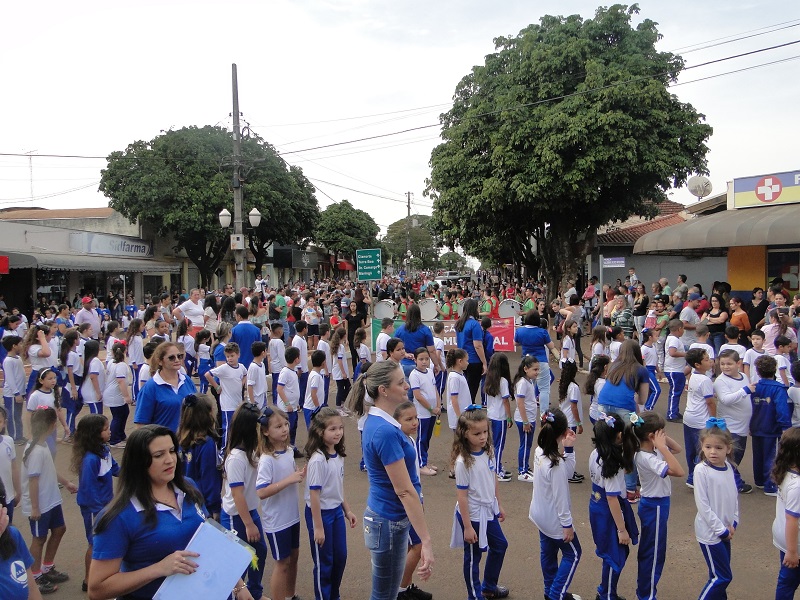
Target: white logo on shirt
19	573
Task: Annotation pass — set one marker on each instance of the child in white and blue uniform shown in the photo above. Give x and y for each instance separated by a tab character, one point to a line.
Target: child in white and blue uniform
650	358
498	407
526	413
426	400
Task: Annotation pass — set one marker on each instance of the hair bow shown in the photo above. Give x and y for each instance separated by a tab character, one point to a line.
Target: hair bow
636	420
190	400
716	422
548	417
609	419
472	407
43	407
265	416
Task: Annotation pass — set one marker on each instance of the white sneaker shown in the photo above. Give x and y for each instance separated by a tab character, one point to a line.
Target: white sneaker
525	477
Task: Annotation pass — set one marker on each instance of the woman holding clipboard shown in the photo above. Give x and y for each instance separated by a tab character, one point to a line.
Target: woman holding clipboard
140	537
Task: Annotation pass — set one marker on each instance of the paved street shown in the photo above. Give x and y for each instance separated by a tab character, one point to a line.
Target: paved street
755	560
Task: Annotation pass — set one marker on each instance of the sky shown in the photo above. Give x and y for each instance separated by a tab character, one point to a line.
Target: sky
87	78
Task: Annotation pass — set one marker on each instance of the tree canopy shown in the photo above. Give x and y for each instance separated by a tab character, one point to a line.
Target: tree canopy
566	127
179	181
416	231
345	229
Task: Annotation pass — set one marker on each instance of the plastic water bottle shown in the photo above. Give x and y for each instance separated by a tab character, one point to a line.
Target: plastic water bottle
437	427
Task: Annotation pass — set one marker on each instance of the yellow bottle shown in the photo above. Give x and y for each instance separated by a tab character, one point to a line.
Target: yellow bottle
437	427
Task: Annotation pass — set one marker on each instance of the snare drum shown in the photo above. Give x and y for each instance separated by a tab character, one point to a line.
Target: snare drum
509	308
459	306
385	309
428	309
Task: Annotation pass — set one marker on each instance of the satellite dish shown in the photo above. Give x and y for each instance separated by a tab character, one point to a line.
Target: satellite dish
699	186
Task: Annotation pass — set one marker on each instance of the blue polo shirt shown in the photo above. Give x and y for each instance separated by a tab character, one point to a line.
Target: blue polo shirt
533	341
14	569
245	333
421	338
139	545
200	463
159	403
383	443
472	332
95	483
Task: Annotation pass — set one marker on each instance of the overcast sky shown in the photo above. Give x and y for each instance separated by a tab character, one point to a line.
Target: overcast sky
88	78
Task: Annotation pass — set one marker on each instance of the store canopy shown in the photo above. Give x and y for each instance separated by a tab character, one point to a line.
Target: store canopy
763	226
345	265
73	262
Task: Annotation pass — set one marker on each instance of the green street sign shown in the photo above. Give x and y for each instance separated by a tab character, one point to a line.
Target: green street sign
368	264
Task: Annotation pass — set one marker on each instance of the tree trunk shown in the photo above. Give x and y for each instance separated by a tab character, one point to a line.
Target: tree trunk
563	252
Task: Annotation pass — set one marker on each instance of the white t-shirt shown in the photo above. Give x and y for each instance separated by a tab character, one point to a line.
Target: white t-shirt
794	397
594	408
315	382
613	350
740	350
525	392
326	348
478	480
550	508
230	379
380	345
194	312
8	454
496	409
568	344
783	365
144	374
750	360
599	349
652	469
37	362
457	393
615	485
708	348
733	402
689	315
673	364
425	382
280	510
438	345
239	472
40	398
112	396
257	378
301	344
787	503
40	463
649	356
14	379
717	501
573	397
327	476
290	383
340	368
700	389
277	350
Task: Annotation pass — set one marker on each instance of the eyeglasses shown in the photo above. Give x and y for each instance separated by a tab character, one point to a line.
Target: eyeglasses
175	357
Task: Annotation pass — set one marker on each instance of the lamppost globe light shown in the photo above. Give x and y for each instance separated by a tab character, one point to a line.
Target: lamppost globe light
225	218
255	217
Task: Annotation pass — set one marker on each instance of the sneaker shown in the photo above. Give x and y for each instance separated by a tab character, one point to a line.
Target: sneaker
504	476
633	497
569	596
451	475
528	477
298	454
578	475
412	592
55	576
45	587
21	441
761	487
690	484
771	492
84	587
427	471
500	591
746	489
678	419
119	445
575	478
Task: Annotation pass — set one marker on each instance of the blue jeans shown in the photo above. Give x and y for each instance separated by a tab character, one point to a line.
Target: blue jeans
543	383
387	542
632	478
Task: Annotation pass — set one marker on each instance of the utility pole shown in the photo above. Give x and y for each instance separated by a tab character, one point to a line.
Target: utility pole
408	233
237	239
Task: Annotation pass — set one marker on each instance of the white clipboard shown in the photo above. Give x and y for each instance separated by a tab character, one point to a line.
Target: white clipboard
223	558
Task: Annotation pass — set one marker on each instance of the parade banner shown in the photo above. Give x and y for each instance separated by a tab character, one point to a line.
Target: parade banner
501	329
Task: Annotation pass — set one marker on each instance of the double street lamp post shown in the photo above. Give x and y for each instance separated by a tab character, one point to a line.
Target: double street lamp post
237	238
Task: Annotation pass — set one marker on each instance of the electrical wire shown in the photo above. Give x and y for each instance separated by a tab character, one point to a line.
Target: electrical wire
45	196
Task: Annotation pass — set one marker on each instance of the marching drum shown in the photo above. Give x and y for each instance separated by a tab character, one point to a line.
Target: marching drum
385	309
459	306
510	308
429	309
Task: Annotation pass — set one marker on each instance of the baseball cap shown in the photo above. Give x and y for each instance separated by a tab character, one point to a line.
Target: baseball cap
86	300
694	297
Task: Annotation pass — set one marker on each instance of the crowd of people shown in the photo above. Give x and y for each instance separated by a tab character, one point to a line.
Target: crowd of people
218	381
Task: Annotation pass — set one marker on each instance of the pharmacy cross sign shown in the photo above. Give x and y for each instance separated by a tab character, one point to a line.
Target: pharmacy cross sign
768	189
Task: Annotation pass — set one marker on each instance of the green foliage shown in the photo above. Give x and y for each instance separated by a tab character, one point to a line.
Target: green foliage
345	229
179	182
450	261
566	127
422	243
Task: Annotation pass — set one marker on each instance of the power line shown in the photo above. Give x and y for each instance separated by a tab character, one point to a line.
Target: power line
356	191
685	49
45	196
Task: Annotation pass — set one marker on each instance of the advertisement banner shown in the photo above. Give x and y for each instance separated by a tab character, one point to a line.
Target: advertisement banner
501	329
765	190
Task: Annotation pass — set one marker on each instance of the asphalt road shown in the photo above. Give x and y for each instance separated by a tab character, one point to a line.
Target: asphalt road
755	559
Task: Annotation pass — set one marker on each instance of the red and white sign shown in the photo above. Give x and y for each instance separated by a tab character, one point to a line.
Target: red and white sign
769	188
503	332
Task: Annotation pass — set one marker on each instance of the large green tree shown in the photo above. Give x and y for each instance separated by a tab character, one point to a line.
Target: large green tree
412	232
179	181
345	229
566	127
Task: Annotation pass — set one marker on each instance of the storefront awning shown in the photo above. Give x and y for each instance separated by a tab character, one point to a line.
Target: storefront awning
33	260
345	265
763	226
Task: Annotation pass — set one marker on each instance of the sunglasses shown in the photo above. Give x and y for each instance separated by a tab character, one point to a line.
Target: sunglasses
175	357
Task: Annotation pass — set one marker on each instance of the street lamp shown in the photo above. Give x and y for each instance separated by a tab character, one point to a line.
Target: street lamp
237	240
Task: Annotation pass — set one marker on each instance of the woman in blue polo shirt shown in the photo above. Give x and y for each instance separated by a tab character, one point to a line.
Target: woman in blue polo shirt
159	400
140	538
469	336
535	341
415	335
393	502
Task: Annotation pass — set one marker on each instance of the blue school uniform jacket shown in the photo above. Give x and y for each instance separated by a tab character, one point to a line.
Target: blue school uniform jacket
771	412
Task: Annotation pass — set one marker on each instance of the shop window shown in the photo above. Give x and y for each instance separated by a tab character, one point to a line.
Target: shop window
52	284
784	263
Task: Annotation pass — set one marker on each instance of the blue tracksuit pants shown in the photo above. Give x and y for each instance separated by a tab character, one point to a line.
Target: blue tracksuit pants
653	516
331	557
557	577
